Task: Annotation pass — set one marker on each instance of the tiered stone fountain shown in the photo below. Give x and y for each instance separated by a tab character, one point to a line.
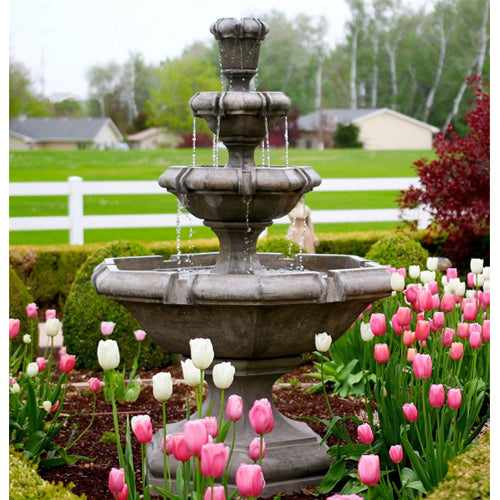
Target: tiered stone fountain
260	310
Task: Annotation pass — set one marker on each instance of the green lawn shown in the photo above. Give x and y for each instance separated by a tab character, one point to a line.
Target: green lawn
33	166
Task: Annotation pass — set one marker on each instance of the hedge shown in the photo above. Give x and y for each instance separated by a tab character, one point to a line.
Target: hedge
49	271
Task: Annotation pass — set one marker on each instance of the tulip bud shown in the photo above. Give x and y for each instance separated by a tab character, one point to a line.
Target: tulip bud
397	282
475	339
67	362
116	480
447	302
180	451
436	395
139	335
403	316
162	386
108	354
396	453
14	326
438	320
254	450
463	330
261	416
32	369
250	480
378	324
215	493
32	310
486	330
476	266
427	276
27	338
414	271
454	399
447	337
190	373
94	384
408	337
167	444
195	435
365	433
366	332
451	273
52	327
142	428
381	353
213	459
456	350
234	407
410	354
398	329
50	314
211	425
422	366
107	327
223	375
369	469
323	341
15	388
432	263
47	406
202	353
422	329
410	412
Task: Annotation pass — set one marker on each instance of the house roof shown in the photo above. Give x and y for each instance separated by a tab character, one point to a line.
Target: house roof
145	134
61	129
331	117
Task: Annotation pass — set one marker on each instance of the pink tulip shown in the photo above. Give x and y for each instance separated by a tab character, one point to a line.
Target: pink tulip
250	480
486	330
485	298
447	302
107	327
215	493
470	280
67	362
470	311
116	480
381	353
261	416
435	301
94	384
456	350
454	398
338	496
50	314
195	436
254	449
398	329
180	451
234	407
365	433
14	326
410	354
447	337
213	459
32	310
433	287
424	300
167	444
61	351
139	335
451	273
142	428
55	407
211	425
422	366
463	330
378	324
369	469
403	316
436	395
42	363
408	338
411	292
475	339
437	320
396	453
422	329
410	412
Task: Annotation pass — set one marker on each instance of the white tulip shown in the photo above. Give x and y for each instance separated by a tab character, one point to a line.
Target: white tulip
460	288
108	354
486	272
432	263
162	386
476	266
15	388
478	279
397	282
190	373
453	284
27	338
366	332
47	406
486	285
414	271
444	280
470	294
202	353
427	276
32	369
323	341
52	327
223	375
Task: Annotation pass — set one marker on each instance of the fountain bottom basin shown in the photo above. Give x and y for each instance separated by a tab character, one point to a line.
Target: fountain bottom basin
260	322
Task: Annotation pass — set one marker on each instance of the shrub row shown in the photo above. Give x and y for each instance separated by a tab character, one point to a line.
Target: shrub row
49	271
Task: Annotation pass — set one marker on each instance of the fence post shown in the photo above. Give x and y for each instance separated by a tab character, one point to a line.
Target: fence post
75	208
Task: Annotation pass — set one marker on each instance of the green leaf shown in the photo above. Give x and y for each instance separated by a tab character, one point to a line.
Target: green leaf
335	473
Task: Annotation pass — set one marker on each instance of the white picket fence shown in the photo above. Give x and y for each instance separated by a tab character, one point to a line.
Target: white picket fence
76	222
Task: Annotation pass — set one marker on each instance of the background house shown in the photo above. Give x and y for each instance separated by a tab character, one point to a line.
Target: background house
379	129
63	133
152	138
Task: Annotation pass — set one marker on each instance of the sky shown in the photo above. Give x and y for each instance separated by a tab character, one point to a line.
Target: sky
59	40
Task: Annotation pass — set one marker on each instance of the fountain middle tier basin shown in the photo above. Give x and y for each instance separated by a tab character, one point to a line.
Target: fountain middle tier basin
273	313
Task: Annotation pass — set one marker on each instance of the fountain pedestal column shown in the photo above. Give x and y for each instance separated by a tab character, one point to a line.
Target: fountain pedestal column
295	457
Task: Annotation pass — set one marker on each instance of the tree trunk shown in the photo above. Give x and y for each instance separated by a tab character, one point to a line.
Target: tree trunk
391	52
483	37
319	101
374	85
354	54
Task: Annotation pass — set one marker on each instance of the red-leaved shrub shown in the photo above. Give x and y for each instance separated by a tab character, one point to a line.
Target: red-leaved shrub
455	186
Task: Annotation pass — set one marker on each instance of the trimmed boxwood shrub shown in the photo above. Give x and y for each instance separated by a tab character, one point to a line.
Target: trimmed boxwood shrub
19	298
398	250
26	484
278	244
85	310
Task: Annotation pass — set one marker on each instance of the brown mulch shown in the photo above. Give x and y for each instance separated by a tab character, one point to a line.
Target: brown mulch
90	478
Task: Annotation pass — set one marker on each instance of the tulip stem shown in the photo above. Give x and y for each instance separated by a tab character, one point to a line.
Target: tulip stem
88	426
109	383
166	471
221	407
324	387
145	483
200	394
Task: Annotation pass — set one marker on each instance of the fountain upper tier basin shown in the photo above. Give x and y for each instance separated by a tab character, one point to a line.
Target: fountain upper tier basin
272	313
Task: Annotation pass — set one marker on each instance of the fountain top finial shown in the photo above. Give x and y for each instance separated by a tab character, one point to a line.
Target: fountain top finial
247	27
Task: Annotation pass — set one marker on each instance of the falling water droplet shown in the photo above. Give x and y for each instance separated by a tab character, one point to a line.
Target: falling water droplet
286	141
178	230
267	143
194	141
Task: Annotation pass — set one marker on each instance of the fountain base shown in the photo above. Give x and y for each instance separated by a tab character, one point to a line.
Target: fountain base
295	457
